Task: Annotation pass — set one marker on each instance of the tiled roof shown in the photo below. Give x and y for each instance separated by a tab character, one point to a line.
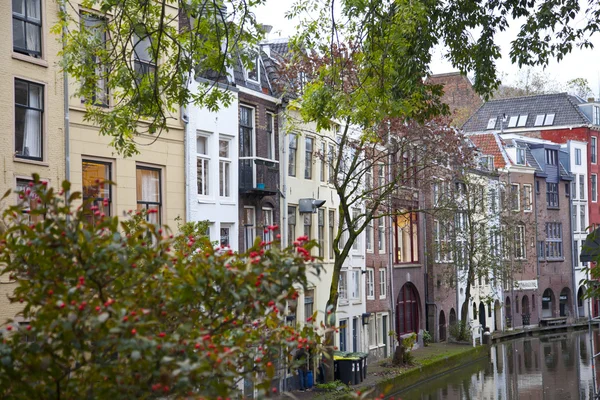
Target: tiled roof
562	105
490	144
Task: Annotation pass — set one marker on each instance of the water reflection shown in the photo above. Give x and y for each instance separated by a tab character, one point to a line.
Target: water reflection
557	366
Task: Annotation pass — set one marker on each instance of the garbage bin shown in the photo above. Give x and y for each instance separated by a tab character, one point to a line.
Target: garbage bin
357	371
345	370
526	318
487	337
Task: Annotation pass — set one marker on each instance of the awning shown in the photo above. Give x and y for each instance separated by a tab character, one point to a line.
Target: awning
590	250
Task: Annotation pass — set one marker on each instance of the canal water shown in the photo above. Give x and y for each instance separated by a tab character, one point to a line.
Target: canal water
556	366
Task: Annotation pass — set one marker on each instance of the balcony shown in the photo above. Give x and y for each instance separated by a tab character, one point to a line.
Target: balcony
258	176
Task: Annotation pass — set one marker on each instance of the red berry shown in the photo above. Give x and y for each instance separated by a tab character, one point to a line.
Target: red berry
162	334
133	331
50	292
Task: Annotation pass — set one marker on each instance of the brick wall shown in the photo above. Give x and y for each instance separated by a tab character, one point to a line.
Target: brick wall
458	94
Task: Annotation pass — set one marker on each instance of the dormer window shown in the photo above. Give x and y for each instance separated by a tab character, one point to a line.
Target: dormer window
520	156
544	120
517	121
486	163
596	115
253	71
551	157
491	123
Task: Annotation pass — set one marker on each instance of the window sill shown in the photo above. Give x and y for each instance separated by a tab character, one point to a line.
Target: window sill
553	207
406	265
226	202
370	297
382	297
32	60
206	201
27	161
553	260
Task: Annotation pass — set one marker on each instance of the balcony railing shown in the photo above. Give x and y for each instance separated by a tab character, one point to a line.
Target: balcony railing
258	176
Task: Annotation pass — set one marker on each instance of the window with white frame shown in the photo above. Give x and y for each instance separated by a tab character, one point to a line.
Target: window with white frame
96	28
246	131
27	27
96	188
203	165
594	181
520	156
382	283
291	224
527	198
574	217
331	233
29	120
355	285
582	223
343	286
515	197
267	217
381	235
442	242
577	156
225	235
520	242
594	150
369	235
307	225
224	168
144	63
372	335
380	176
355	221
249	226
321	231
293	149
370	283
554	243
406	237
368	180
596	115
308	157
435	189
323	171
253	70
270	136
330	161
581	187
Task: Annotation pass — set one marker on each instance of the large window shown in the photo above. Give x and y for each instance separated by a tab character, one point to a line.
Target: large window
355	222
355	284
577	156
307	217
224	168
291	224
308	157
96	188
203	165
551	157
382	283
520	242
293	149
407	237
552	194
330	161
95	27
331	233
270	136
321	231
369	234
144	62
381	235
27	27
594	181
149	192
407	309
29	111
594	150
249	226
323	172
582	223
246	132
370	283
442	242
515	199
554	244
581	187
343	286
527	198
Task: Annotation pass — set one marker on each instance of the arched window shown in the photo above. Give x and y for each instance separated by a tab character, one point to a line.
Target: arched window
407	309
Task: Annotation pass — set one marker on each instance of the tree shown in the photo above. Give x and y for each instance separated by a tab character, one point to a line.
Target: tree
126	310
580	87
529	82
137	57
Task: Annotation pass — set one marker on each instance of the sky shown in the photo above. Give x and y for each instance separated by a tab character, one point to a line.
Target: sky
577	64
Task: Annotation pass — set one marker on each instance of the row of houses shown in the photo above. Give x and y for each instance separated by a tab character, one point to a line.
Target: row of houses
242	169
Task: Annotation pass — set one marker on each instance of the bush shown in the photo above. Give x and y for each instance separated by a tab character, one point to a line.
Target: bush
128	310
427	338
334	386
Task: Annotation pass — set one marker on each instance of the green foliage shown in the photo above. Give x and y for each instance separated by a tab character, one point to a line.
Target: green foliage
427	338
123	310
407	343
460	332
334	386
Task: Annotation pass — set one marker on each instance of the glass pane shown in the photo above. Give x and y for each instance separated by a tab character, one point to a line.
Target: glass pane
148	185
224	148
21	92
19	34
94	180
32	134
201	144
18	7
142	49
35	96
19	130
33	10
33	37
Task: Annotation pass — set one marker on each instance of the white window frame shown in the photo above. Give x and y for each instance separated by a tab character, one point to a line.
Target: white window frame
582	218
372	335
354	292
370	284
257	66
270	136
516	201
205	160
245	229
381	236
356	245
370	236
225	169
577	156
343	286
527	199
594	150
382	283
520	242
594	183
581	187
267	211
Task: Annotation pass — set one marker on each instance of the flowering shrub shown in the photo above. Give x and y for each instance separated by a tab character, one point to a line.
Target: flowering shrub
127	310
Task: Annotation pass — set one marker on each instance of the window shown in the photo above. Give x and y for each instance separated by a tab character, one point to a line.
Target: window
291	225
594	179
493	200
594	150
577	156
576	252
95	26
372	335
370	283
551	157
520	156
552	194
144	63
355	222
270	136
246	132
224	168
355	285
253	71
581	188
520	242
380	177
517	121
96	188
442	243
225	236
293	147
596	115
549	119
368	181
267	216
582	223
435	189
491	123
29	111
407	240
381	235
574	217
486	163
24	185
515	197
554	247
331	233
27	27
249	224
309	301
321	231
149	193
330	158
308	157
203	165
539	120
343	286
527	198
307	225
369	235
382	283
541	249
323	172
537	187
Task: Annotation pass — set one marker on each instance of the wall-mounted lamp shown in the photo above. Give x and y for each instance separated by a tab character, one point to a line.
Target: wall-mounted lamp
366	317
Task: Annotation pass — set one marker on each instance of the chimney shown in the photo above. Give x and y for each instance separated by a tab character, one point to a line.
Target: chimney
590	99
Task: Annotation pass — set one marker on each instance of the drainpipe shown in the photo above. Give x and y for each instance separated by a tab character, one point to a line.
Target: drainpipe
537	257
63	10
573	258
283	139
389	251
185	117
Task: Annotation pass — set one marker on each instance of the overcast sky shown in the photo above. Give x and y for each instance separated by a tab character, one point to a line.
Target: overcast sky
578	64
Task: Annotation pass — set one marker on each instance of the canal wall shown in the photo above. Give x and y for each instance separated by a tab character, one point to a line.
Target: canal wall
539	331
